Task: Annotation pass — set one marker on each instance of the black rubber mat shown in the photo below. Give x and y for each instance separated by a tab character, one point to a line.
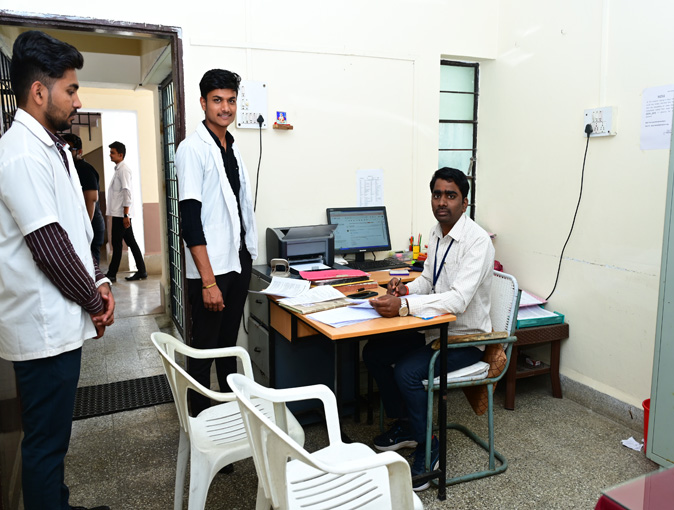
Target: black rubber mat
120	396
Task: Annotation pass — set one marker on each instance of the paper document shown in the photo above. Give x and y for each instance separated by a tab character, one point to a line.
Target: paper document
286	287
315	295
530	300
311	266
344	316
534	312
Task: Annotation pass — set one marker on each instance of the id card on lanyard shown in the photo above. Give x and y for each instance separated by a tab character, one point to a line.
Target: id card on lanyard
437	270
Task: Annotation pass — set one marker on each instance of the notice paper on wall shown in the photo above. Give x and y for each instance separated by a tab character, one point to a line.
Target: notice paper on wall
370	185
656	117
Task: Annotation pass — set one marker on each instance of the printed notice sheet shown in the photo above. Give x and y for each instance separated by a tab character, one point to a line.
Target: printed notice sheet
370	187
656	117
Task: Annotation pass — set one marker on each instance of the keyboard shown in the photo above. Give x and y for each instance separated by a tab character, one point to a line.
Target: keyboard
377	265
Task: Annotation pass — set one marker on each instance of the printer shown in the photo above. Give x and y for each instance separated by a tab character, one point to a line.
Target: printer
302	245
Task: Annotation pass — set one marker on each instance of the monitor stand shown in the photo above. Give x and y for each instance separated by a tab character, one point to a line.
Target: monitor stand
360	256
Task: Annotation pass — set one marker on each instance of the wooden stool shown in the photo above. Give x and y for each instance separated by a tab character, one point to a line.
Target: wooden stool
553	335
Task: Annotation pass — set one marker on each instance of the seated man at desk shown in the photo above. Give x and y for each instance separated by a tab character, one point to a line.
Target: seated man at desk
456	279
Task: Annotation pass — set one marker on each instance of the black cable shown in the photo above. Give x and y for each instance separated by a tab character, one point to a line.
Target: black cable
588	130
260	120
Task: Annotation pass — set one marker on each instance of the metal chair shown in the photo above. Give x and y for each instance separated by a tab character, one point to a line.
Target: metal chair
216	437
505	297
339	476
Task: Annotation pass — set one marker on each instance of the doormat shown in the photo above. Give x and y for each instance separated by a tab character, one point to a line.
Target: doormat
120	396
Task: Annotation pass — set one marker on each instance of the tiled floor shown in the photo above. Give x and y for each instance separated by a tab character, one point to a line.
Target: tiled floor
561	455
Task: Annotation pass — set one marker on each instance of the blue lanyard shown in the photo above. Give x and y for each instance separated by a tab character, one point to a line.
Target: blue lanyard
436	271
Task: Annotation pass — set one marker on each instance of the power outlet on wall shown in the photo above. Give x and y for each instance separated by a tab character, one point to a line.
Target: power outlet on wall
602	121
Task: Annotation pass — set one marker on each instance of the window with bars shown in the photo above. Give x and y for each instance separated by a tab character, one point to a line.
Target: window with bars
459	82
7	97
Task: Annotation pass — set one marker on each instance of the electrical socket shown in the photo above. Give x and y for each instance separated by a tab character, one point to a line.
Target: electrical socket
602	121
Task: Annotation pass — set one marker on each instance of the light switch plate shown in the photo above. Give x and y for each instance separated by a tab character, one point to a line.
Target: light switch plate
251	103
602	121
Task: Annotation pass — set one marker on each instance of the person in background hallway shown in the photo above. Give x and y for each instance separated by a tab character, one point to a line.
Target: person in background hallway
218	226
90	187
456	279
119	207
53	296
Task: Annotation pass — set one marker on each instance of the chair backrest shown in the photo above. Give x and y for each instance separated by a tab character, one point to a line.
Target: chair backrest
180	381
273	448
504	302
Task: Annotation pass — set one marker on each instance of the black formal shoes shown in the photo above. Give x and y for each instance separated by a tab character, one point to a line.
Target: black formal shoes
137	276
94	508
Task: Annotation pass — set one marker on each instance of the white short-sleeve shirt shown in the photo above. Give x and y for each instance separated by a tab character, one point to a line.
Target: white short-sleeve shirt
202	177
36	320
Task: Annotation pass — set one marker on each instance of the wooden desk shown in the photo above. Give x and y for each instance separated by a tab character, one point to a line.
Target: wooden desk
293	326
553	335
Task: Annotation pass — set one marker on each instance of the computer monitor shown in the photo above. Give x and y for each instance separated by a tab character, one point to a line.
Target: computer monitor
360	229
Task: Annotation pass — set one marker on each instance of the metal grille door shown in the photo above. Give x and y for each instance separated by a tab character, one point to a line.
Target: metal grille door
175	255
7	97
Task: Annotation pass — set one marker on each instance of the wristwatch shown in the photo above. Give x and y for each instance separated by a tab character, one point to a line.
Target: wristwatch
126	215
404	310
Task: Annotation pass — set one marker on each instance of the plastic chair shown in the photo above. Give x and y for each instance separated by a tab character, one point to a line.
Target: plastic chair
479	389
339	476
216	437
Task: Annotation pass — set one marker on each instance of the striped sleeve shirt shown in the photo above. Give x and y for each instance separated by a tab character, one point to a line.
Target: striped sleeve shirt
463	285
55	255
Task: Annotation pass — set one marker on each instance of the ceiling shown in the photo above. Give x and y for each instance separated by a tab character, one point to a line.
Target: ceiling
123	59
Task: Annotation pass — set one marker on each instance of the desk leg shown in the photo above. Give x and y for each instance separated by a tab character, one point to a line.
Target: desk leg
442	414
356	382
511	379
554	369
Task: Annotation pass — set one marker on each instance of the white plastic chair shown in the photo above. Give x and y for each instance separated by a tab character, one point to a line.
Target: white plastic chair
339	476
216	437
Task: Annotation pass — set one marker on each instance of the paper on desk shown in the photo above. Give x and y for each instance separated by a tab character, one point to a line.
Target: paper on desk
315	295
344	316
527	299
534	312
286	287
311	266
632	443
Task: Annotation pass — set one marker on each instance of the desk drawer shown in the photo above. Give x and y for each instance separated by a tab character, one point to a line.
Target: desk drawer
258	307
258	345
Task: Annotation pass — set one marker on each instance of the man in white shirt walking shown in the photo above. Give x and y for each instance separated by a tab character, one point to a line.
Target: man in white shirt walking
456	279
119	207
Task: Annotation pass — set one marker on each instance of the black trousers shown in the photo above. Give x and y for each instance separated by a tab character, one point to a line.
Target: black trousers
47	387
120	233
211	330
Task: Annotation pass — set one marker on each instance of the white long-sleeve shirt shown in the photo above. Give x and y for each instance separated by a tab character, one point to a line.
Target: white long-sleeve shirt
119	194
463	285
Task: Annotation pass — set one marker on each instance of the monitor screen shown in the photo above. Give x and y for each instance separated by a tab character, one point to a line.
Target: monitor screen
360	229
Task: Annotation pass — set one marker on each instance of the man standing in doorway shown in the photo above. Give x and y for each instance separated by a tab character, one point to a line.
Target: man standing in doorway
52	294
218	227
89	180
119	207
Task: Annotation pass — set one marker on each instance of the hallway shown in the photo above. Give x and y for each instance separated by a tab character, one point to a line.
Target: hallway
561	455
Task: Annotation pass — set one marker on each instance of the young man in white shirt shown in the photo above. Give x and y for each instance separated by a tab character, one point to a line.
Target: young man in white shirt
119	207
456	279
53	296
218	227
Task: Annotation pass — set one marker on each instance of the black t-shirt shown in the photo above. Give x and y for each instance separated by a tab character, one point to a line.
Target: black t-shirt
88	175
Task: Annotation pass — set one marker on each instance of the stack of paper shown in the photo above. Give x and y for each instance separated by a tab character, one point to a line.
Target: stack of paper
347	315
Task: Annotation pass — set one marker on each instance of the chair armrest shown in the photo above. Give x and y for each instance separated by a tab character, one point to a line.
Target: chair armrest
474	338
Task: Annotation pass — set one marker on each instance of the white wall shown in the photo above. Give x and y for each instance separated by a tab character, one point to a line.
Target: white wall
360	79
554	60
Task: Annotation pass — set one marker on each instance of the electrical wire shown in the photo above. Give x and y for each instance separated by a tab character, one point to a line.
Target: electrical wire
260	120
580	195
